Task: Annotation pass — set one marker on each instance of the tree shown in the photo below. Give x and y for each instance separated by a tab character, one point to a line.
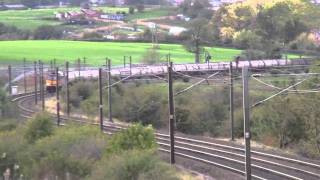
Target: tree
140	7
152	56
47	32
39	127
133	165
193	8
197	35
131	10
136	137
245	16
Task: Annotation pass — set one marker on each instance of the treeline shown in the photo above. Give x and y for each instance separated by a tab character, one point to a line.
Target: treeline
42	32
265	29
39	150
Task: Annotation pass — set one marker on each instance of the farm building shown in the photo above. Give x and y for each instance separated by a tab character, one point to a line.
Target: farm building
13	7
116	17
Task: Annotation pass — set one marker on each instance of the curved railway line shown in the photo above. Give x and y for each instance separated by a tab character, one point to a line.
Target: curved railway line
265	165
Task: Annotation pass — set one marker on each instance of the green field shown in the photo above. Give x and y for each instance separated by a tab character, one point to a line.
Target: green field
151	13
31	19
96	52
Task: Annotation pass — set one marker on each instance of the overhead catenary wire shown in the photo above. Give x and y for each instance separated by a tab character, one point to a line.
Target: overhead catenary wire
118	82
291	74
275	87
278	93
195	84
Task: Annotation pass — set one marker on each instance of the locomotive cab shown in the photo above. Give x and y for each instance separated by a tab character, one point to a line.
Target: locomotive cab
51	81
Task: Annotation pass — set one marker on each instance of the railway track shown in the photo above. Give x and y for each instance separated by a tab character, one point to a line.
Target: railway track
265	165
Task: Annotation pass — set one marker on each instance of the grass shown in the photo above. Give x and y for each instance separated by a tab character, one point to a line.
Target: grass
33	18
149	14
96	52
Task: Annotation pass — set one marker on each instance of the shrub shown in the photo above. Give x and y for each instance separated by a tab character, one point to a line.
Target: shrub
92	35
252	54
151	56
135	137
7	108
140	7
246	39
71	150
11	145
47	32
131	10
8	124
139	165
39	127
80	91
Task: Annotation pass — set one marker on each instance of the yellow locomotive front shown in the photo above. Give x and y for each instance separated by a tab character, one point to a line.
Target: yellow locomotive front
51	82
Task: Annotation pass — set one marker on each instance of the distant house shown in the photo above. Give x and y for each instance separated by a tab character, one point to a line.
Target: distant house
15	6
91	13
116	17
176	31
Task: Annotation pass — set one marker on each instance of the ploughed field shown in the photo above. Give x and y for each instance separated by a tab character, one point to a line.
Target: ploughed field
96	52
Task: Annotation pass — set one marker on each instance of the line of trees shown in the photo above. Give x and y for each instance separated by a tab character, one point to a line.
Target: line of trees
42	32
264	29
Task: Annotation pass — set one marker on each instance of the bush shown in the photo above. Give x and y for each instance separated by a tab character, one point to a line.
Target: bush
151	56
11	145
8	124
252	54
47	32
92	35
39	127
135	137
131	10
140	7
139	165
80	91
71	150
7	108
246	39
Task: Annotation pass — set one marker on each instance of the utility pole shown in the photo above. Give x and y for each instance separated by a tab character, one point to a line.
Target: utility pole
109	91
124	61
247	134
54	63
9	79
79	66
57	97
39	79
42	87
24	76
84	63
51	65
130	65
35	83
231	101
67	87
100	100
171	114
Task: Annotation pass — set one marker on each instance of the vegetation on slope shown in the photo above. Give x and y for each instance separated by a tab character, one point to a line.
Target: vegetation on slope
80	152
